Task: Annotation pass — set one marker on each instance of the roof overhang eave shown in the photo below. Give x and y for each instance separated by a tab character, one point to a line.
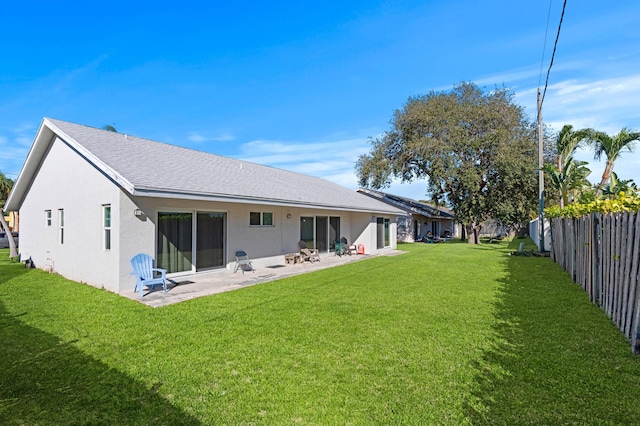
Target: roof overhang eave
230	198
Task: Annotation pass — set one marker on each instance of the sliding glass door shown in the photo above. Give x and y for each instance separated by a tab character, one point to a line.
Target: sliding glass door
210	240
175	241
383	232
334	232
306	231
320	232
176	245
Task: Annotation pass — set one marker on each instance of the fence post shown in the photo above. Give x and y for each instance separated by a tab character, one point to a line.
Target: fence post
596	255
635	333
634	280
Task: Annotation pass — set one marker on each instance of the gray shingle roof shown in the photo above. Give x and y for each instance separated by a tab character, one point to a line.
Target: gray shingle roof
408	204
146	167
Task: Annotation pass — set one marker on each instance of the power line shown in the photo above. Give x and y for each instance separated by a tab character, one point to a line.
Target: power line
544	46
555	45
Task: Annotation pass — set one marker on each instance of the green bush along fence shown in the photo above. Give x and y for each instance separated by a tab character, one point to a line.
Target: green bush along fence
601	252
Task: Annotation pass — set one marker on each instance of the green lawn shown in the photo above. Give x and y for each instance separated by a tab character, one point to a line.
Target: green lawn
445	334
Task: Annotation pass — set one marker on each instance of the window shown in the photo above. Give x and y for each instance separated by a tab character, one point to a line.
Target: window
267	219
61	224
254	218
106	224
261	219
47	216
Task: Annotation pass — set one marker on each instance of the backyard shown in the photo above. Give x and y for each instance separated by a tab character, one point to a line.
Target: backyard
443	334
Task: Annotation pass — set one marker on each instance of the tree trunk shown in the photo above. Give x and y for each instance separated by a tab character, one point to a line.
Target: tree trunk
605	177
13	252
473	233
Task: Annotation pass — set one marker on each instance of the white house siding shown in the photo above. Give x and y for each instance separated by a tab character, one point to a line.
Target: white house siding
57	176
85	190
265	245
66	181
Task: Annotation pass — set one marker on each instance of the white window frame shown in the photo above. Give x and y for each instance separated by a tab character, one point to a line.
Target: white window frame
106	227
47	217
61	226
262	220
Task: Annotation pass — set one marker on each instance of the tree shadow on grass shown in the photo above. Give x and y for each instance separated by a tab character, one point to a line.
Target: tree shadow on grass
45	380
555	357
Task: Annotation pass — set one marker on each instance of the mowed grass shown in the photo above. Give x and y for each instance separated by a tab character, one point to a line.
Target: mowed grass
444	334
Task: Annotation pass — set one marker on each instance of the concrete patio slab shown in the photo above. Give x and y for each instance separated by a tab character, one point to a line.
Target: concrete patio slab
191	286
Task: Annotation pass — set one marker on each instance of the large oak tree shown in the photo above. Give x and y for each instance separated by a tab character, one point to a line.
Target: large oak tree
477	151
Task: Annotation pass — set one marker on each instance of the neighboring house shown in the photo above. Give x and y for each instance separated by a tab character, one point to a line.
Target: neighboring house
89	200
417	218
12	221
492	228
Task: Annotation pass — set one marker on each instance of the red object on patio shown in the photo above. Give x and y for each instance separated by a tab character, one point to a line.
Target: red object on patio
360	248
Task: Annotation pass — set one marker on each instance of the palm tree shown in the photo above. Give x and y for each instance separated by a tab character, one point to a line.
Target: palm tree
567	142
611	147
5	188
571	181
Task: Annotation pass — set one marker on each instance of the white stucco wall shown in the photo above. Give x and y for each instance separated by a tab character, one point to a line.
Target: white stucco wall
65	181
265	245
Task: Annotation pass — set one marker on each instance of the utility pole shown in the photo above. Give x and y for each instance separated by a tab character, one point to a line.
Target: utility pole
540	177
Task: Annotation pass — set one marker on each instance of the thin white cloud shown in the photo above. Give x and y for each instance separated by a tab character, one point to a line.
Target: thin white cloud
196	137
333	160
604	104
15	147
68	79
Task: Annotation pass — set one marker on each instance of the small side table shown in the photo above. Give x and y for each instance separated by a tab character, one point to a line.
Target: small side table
292	258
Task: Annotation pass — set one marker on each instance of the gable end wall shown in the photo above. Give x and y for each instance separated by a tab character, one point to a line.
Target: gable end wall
67	181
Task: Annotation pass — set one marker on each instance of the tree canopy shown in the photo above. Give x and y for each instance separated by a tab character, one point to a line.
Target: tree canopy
476	150
611	147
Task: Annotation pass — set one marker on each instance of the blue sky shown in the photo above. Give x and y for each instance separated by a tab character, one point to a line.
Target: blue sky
304	86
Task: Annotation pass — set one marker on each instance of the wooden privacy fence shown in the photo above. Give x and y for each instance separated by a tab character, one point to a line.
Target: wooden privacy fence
601	252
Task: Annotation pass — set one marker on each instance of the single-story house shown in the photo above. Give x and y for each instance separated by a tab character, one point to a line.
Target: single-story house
417	218
91	199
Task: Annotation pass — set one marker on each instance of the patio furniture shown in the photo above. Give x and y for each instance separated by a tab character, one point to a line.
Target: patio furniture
146	275
292	258
351	249
242	262
341	248
306	253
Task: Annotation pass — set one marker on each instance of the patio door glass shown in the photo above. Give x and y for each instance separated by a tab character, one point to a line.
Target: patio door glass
387	232
174	243
334	232
379	232
322	235
210	240
306	230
